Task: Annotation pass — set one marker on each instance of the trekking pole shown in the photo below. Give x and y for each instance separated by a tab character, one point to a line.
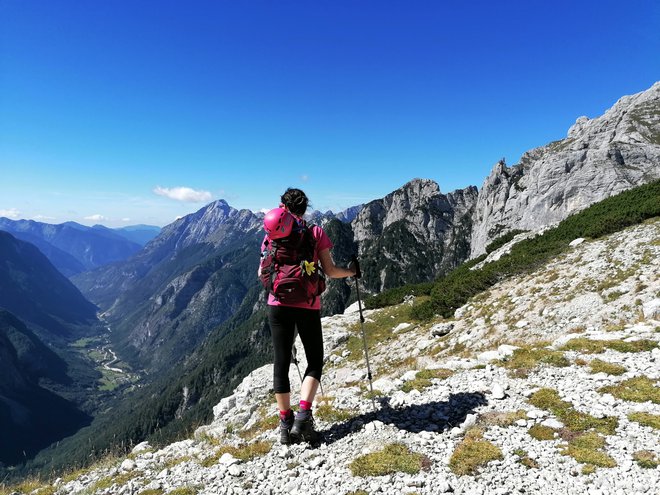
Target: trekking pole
358	274
294	356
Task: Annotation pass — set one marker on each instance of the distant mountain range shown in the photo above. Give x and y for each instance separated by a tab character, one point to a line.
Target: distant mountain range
75	248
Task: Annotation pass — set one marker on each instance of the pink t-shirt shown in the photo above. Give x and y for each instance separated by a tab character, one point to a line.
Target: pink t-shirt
322	242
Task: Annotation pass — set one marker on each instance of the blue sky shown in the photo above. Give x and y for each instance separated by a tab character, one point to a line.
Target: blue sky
103	105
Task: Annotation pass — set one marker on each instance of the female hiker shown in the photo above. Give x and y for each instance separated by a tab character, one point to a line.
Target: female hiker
291	254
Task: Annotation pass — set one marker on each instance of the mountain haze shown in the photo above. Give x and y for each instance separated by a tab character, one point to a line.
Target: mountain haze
71	247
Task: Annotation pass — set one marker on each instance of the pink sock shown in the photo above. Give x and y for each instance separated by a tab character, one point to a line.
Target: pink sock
305	406
284	415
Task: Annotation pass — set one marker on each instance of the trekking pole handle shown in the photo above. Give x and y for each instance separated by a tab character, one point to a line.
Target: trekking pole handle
356	264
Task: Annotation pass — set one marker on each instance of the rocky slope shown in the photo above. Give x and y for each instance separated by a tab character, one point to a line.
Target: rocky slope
518	369
599	158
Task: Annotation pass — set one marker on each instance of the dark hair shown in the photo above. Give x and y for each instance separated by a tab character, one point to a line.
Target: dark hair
295	200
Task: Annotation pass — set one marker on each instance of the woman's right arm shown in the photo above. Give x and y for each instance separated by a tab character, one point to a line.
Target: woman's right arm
329	267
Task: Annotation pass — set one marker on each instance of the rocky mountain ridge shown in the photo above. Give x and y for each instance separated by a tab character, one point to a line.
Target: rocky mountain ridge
518	369
599	157
413	234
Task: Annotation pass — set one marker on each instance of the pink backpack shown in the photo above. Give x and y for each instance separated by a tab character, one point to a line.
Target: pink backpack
288	270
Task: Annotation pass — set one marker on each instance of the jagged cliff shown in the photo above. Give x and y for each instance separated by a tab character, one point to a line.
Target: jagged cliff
599	158
413	234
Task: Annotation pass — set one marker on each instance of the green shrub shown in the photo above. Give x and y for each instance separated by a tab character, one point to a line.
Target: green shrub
184	490
610	215
397	295
587	449
502	240
525	460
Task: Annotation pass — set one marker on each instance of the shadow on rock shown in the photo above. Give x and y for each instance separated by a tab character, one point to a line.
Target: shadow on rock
432	416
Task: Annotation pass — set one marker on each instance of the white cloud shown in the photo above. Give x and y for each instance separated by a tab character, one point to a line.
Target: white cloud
10	213
42	217
264	210
304	177
183	194
125	219
96	218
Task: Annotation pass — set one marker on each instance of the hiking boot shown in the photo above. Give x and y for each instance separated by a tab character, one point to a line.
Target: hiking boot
303	429
285	429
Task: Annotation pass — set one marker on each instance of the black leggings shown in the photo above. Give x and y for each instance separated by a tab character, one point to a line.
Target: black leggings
283	320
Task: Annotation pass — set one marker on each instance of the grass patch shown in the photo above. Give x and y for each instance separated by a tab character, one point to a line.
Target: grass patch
548	399
599	366
394	458
525	460
327	412
587	449
646	459
29	486
646	419
525	359
589	346
245	452
266	423
110	481
398	365
378	329
184	490
472	453
503	419
637	389
540	432
176	461
423	379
